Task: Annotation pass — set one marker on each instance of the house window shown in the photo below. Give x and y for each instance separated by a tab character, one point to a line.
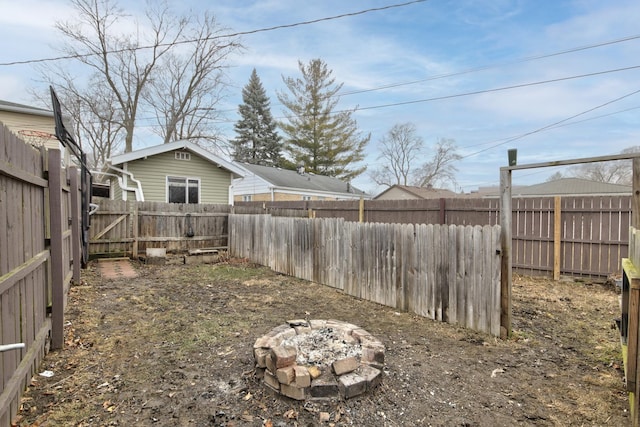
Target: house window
183	190
247	198
306	197
183	155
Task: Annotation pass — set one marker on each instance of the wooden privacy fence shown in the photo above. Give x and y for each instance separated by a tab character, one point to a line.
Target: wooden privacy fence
629	325
446	273
577	236
40	253
122	227
551	236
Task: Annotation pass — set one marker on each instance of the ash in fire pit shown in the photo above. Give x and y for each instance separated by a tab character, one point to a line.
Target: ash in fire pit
319	359
323	346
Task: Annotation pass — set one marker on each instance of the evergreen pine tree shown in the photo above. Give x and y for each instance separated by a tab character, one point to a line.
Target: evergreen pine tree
257	140
324	141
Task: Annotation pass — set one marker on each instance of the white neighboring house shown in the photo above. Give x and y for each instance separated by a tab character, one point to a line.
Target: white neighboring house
269	184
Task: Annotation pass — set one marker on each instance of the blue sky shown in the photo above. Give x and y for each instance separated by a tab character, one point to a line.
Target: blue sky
442	49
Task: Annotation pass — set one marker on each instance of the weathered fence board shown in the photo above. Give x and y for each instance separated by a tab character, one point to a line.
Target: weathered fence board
593	231
629	325
27	242
120	227
443	272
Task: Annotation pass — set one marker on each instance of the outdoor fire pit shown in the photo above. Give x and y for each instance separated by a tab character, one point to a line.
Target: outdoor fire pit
319	359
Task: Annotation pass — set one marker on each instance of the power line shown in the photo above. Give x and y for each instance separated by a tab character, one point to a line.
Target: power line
555	124
230	35
482	68
560	125
478	92
546	128
497	65
458	95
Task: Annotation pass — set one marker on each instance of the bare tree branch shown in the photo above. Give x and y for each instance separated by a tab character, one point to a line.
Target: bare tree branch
150	68
400	149
185	95
441	168
613	172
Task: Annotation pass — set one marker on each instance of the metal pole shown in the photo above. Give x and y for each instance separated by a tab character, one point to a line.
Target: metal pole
8	347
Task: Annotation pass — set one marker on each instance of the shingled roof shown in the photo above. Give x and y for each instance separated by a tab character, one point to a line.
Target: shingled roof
285	178
572	187
26	109
415	192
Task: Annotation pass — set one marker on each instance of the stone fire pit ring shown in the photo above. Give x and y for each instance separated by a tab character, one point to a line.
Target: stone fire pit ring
319	359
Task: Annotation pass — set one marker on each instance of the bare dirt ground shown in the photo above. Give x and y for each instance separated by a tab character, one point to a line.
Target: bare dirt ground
173	347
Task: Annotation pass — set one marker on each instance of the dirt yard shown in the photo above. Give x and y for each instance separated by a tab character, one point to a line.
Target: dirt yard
173	347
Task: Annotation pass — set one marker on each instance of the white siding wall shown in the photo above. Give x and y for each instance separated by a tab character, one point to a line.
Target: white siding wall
250	184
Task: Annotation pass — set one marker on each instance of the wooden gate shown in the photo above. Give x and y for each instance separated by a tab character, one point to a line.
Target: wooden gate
121	228
112	229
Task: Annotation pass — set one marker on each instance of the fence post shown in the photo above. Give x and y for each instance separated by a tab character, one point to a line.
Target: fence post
76	245
635	198
133	213
57	271
505	242
443	215
633	331
557	236
361	210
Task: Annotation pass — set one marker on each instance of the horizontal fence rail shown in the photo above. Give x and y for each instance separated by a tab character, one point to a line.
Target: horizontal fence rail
577	236
122	227
39	255
442	272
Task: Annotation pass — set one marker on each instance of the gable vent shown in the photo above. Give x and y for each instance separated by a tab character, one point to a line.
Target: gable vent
183	155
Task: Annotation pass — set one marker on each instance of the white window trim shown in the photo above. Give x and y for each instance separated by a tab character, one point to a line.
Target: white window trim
187	179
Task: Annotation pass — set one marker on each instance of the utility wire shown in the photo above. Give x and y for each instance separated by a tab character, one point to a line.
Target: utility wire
546	129
497	65
559	126
471	70
458	95
515	138
478	92
467	71
480	68
237	34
